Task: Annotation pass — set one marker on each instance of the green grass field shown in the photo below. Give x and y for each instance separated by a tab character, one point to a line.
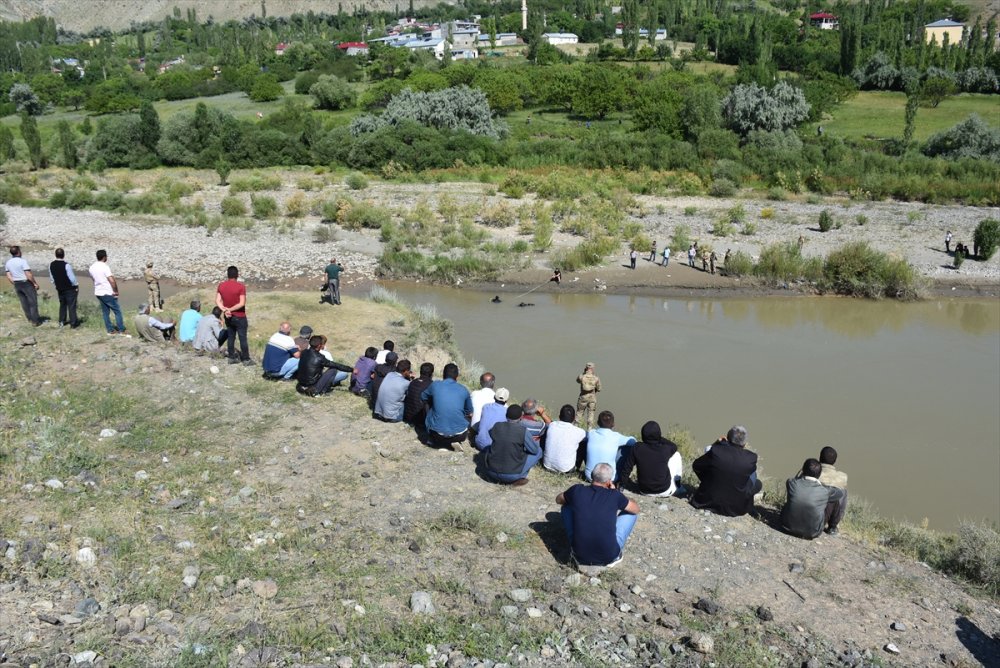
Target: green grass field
880	114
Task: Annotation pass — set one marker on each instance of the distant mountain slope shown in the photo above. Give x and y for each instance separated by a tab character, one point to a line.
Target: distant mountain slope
84	15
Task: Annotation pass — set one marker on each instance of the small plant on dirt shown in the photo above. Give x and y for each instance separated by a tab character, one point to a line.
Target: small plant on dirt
223	168
498	215
690	210
233	206
825	221
296	206
723	228
739	264
986	238
767	213
749	229
722	188
323	234
356	181
776	194
959	259
680	240
861	219
263	206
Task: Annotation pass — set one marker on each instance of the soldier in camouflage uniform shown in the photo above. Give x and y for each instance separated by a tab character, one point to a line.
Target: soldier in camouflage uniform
153	286
586	405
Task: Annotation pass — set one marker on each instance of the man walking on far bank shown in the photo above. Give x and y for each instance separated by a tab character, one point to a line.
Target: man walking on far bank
586	404
333	281
106	291
20	276
62	276
232	299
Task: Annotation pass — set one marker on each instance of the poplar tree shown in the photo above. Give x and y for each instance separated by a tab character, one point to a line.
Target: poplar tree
29	131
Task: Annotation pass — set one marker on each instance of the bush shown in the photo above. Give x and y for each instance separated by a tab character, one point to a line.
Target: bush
749	229
977	556
255	183
680	240
972	138
332	93
722	188
296	206
498	215
458	108
263	206
750	107
959	259
356	181
986	238
722	227
739	264
304	81
825	221
324	234
109	200
233	206
767	213
357	215
784	262
856	269
265	88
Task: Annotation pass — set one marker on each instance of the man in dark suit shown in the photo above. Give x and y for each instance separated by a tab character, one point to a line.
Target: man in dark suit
728	476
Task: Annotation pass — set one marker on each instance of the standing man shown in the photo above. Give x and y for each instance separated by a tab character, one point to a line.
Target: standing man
691	255
333	281
106	291
633	256
712	259
20	276
666	255
598	519
652	252
586	404
152	287
231	297
67	287
947	241
449	407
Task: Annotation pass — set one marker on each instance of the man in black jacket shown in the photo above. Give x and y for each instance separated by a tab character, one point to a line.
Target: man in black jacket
513	451
414	408
311	377
67	287
728	476
658	463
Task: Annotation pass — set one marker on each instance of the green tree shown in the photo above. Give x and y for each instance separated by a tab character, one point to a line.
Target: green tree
25	100
657	106
935	89
986	239
333	93
223	168
630	27
67	145
265	89
702	110
86	127
33	140
502	89
910	115
6	144
601	91
149	126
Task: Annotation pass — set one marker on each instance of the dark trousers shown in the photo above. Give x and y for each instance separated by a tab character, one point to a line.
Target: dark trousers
67	307
29	300
237	327
442	441
835	507
334	287
632	262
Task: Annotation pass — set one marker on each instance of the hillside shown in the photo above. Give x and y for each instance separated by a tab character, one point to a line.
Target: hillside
85	15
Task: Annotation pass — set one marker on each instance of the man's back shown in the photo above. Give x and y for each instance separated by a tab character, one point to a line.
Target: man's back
602	447
449	402
480	398
492	414
146	330
279	349
831	477
206	334
414	403
652	461
595	513
508	452
188	325
391	395
562	439
802	514
724	472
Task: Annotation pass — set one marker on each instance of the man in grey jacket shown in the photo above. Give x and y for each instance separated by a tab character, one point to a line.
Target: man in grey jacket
811	505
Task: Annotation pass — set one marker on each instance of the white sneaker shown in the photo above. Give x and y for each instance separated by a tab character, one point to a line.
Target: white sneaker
616	561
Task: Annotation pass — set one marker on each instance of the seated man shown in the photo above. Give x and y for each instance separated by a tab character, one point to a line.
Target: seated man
534	419
831	477
414	407
189	322
598	519
491	415
318	375
152	329
211	333
379	373
513	451
392	393
387	347
302	340
565	443
811	505
657	462
482	397
448	409
362	373
728	475
604	444
281	354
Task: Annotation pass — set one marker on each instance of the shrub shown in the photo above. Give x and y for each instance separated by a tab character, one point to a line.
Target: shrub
825	221
739	264
255	183
986	238
357	215
356	181
263	206
861	219
750	107
767	213
972	138
324	234
296	206
680	240
223	168
776	194
109	200
79	199
959	259
856	269
458	108
332	93
722	227
977	556
690	210
265	88
304	81
784	262
722	188
233	206
498	215
749	229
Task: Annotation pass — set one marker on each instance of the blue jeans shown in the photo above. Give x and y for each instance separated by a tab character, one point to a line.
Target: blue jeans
109	303
623	526
511	477
289	368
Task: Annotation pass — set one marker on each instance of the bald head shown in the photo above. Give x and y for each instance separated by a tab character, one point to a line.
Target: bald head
285	328
487	380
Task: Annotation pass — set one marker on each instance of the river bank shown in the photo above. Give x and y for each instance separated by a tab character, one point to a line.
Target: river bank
203	515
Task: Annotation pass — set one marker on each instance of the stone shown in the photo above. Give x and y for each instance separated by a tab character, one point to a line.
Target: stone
669	621
813	662
497	573
214	370
519	595
87	607
86	557
53	483
708	606
509	610
534	613
345	662
676	648
552	585
573	580
85	657
108	433
190	576
48	619
176	504
265	588
891	648
898	626
764	614
796	567
421	603
247	492
561	608
141	475
184	545
703	643
122	627
28	341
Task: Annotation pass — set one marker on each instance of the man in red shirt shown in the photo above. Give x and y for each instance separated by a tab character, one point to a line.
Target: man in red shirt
232	299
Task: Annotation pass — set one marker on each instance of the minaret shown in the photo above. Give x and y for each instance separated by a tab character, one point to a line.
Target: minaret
524	15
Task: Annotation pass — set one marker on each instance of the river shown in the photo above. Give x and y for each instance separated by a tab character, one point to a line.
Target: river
909	394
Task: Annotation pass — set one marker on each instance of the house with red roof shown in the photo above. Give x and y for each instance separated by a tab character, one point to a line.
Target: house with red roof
824	21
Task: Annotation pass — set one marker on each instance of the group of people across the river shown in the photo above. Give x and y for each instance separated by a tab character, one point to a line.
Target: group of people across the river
509	439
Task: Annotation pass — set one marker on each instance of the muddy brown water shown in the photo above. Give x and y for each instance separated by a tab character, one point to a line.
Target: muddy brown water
909	394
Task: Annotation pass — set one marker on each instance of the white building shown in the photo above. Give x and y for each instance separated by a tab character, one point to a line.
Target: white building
435	46
503	39
464	54
560	38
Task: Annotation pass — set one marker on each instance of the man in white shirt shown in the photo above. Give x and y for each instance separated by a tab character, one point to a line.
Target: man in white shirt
20	276
106	291
565	443
483	396
387	347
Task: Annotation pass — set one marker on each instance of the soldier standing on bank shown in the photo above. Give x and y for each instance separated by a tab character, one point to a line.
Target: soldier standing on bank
153	286
586	405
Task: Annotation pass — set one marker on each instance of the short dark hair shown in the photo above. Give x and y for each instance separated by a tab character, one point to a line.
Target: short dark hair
828	456
102	255
567	413
389	345
195	305
606	420
391	358
315	341
812	468
232	272
15	250
426	370
403	365
450	371
216	311
514	412
371	352
60	253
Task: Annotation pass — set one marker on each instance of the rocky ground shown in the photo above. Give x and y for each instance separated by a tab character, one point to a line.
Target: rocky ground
166	509
267	254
